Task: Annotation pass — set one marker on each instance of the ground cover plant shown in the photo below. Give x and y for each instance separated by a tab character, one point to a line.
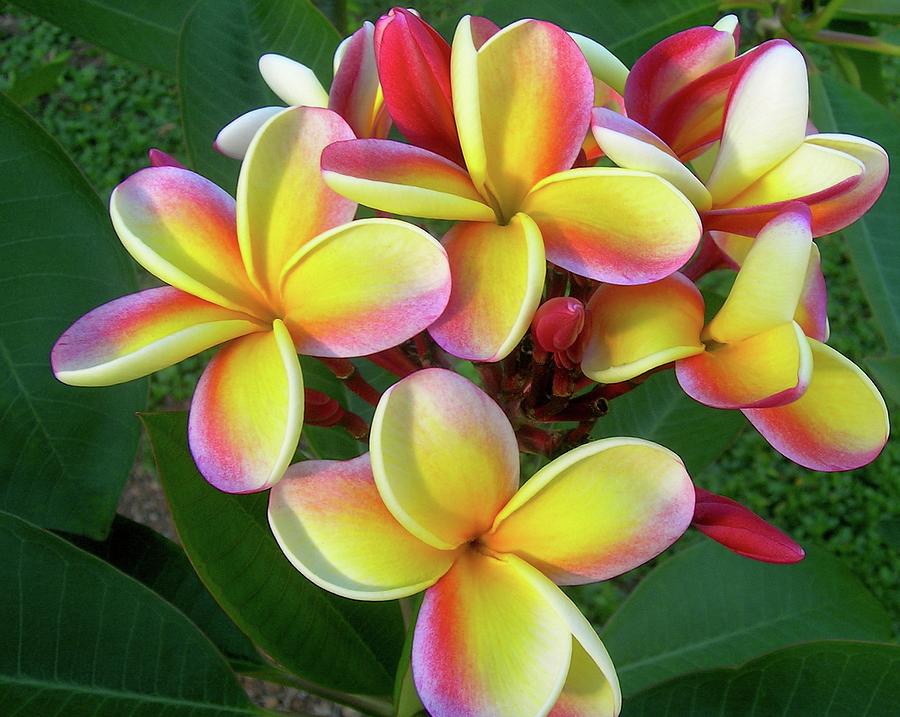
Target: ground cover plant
64	471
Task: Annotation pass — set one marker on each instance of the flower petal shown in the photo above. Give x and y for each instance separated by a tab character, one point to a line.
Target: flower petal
498	276
333	526
181	228
672	64
616	225
634	329
597	511
402	179
142	333
340	303
605	66
768	286
444	456
247	412
282	201
589	689
765	119
631	146
487	642
295	84
533	120
355	92
467	100
414	66
235	137
769	369
838	424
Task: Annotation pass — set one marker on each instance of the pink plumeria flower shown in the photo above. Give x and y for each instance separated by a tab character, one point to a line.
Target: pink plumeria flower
742	122
282	270
355	93
762	353
436	506
521	100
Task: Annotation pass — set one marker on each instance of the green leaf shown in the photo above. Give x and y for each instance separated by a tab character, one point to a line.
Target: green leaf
81	638
707	607
626	28
37	81
162	566
64	452
145	31
338	643
871	10
818	679
885	371
871	241
220	45
660	411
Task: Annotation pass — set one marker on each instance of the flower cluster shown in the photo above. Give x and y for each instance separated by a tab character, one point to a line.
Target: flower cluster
587	201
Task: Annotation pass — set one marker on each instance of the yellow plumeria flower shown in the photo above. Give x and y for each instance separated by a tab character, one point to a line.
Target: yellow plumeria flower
436	506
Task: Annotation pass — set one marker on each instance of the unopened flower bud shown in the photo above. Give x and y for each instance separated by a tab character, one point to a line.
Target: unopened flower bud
158	158
557	327
742	531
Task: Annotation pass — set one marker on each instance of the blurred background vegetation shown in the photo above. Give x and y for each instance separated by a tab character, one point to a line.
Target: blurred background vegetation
107	111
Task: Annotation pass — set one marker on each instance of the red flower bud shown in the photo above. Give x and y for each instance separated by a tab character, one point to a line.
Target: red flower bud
158	158
414	67
321	409
557	327
742	531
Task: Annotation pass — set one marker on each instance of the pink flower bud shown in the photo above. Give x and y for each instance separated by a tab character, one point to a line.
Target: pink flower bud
742	531
158	158
558	323
355	92
414	67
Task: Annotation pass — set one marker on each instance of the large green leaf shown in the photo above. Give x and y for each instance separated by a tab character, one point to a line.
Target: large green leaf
626	27
64	452
872	10
707	607
334	642
660	411
818	679
162	566
220	45
886	372
145	31
872	240
81	638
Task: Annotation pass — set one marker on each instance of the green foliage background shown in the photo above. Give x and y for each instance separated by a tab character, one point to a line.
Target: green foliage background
106	111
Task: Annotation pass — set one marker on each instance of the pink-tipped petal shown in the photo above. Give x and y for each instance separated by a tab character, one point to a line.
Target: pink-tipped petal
770	282
364	287
742	531
444	456
142	333
498	276
333	526
547	100
765	119
634	329
631	146
487	642
812	311
838	424
181	228
402	179
247	412
618	226
234	138
671	65
769	369
597	511
355	93
414	66
158	158
282	201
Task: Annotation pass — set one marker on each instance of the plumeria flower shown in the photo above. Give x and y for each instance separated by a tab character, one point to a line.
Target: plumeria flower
282	270
355	93
436	506
761	353
742	121
521	100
